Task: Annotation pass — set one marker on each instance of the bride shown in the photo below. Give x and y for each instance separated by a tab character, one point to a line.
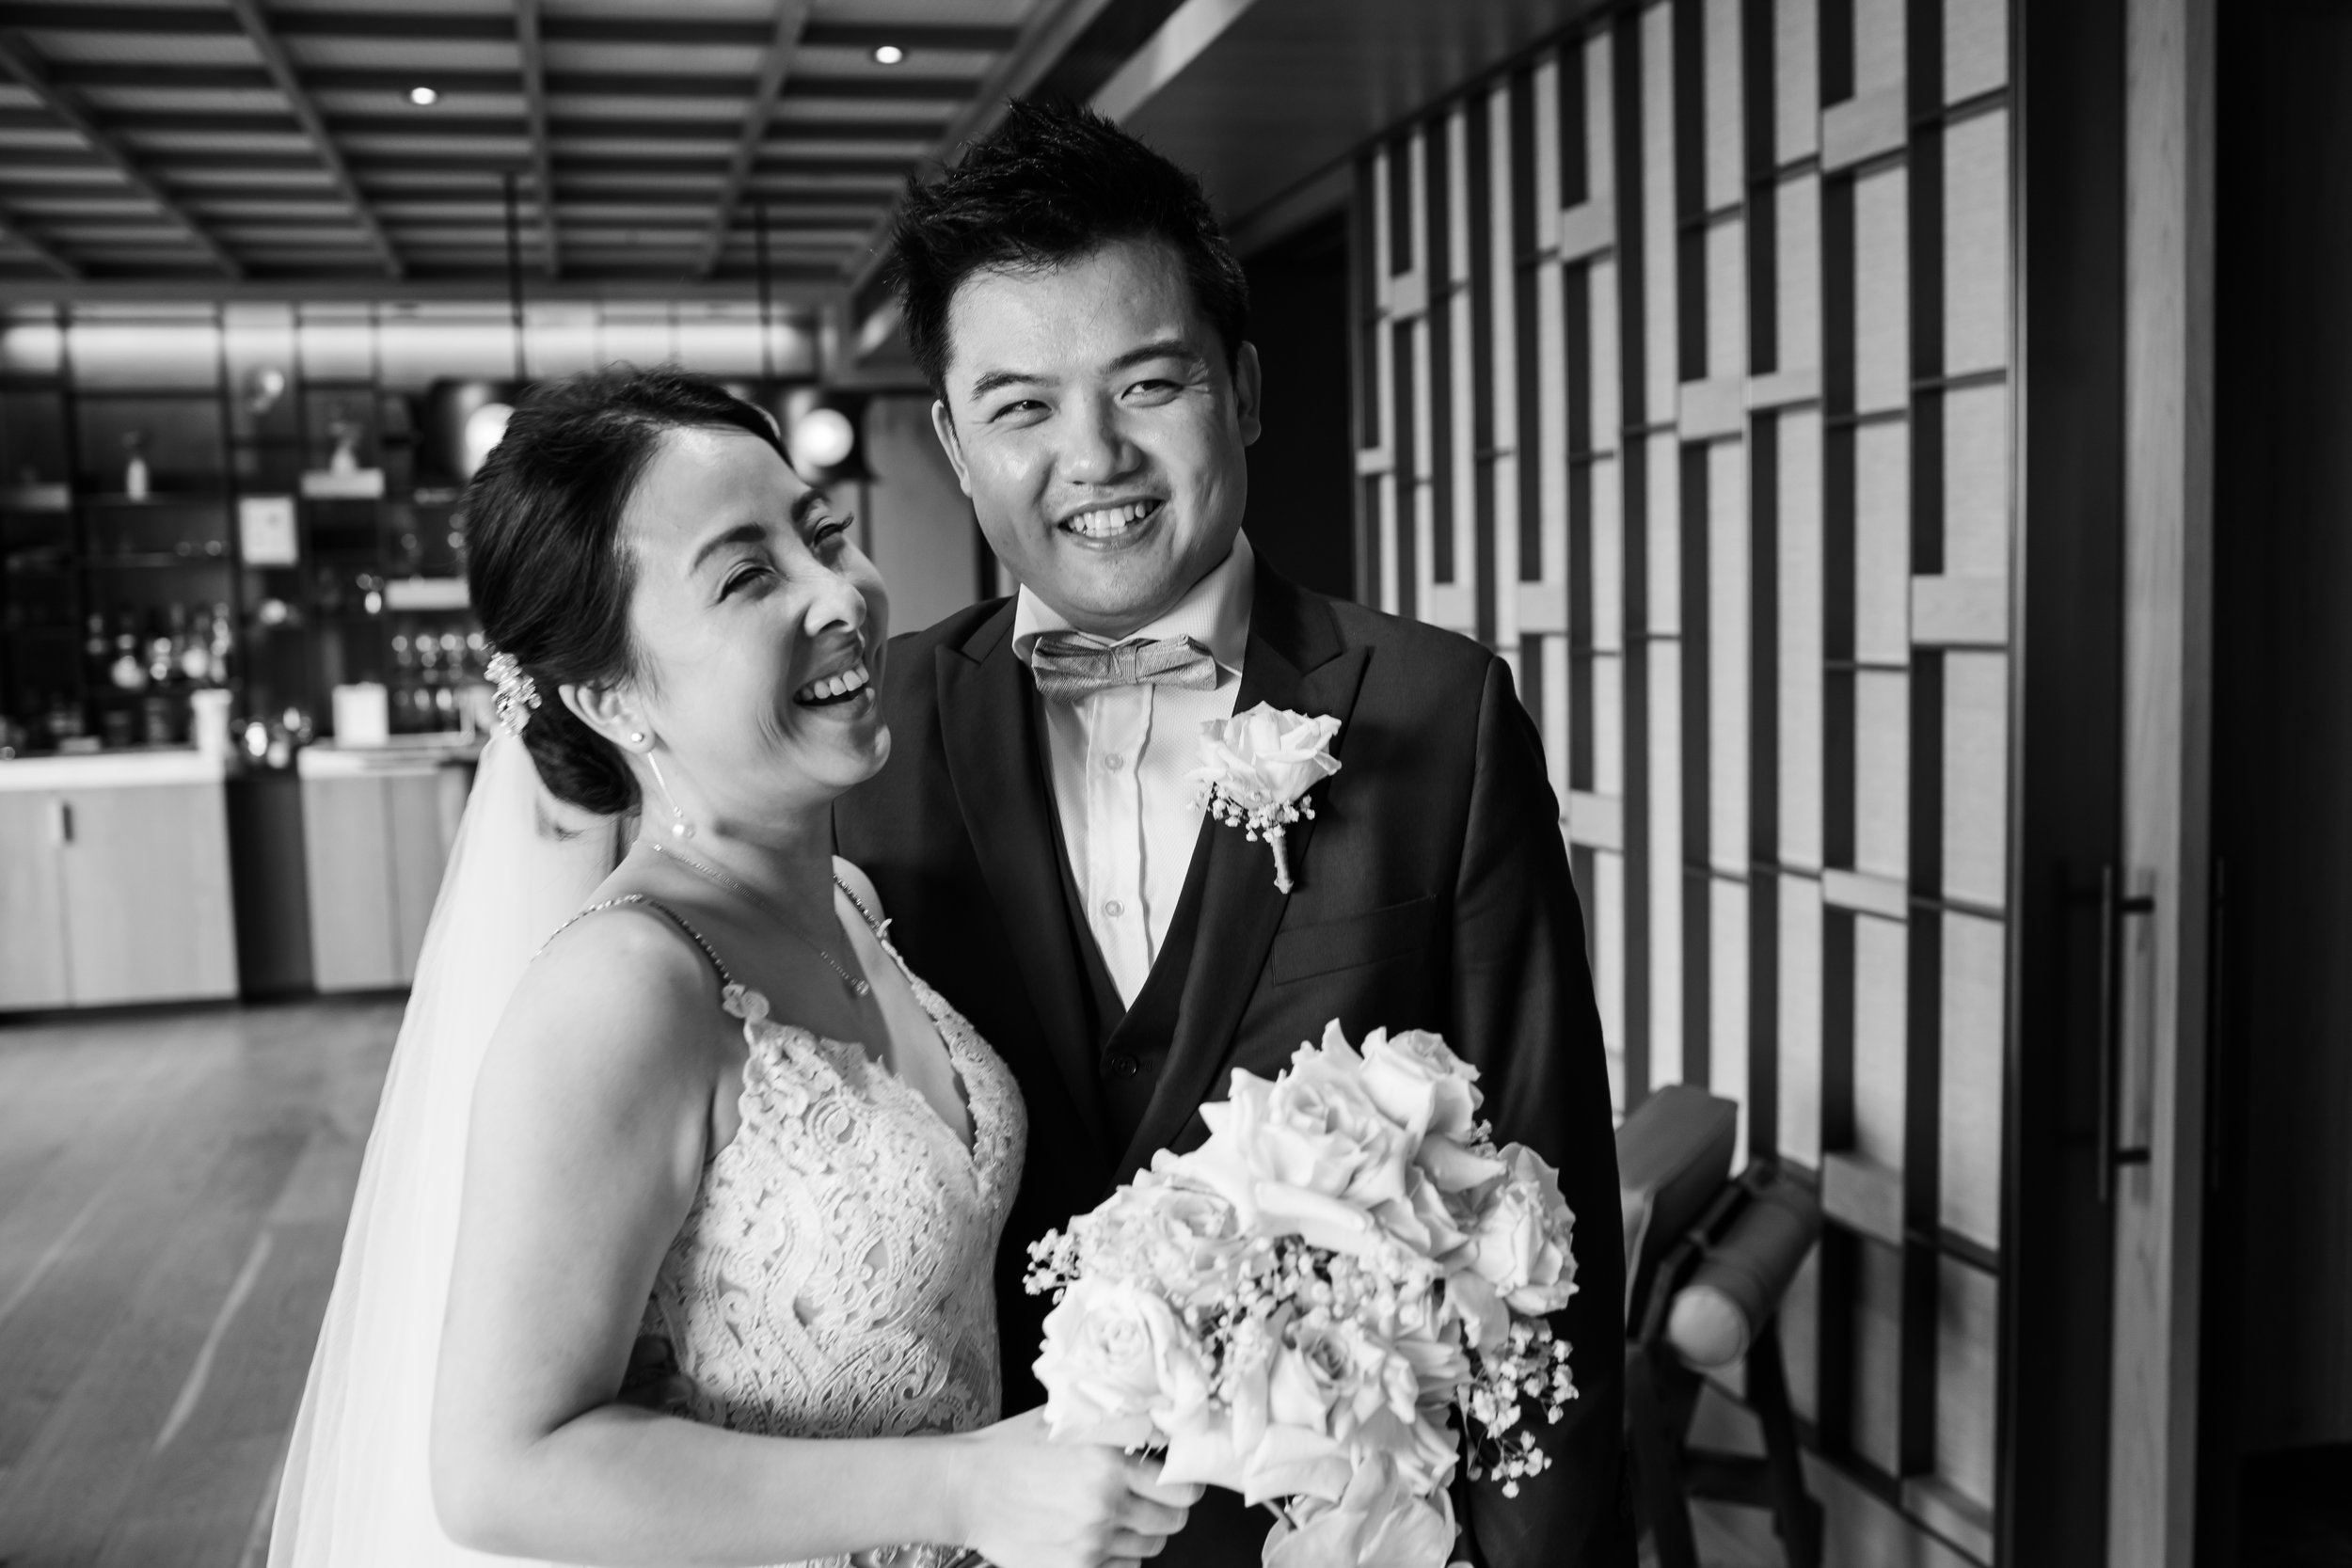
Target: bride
715	1288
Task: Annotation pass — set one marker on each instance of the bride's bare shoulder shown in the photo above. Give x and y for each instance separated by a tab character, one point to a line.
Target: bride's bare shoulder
621	1000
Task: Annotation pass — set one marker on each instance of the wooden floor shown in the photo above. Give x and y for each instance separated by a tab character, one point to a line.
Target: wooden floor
173	1188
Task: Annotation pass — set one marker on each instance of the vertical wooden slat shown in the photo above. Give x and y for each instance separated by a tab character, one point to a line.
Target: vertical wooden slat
1969	1188
1796	56
1465	535
1667	868
1880	1039
1727	158
1727	657
1800	1061
1478	252
1976	48
1975	482
1660	702
1977	240
1607	911
1626	51
1882	545
1881	282
1431	201
1878	45
1965	1381
1798	509
1556	713
1876	1351
1696	651
1881	779
1975	778
1797	262
1727	1002
1660	242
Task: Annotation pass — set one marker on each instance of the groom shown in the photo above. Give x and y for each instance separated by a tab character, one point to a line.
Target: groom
1081	320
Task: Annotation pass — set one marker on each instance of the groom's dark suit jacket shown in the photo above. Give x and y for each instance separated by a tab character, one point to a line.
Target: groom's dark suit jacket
1432	892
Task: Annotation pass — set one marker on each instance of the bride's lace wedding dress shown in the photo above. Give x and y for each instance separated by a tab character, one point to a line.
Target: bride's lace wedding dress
833	1278
836	1274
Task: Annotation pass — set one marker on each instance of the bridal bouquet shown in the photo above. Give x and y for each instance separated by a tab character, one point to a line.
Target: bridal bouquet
1303	1308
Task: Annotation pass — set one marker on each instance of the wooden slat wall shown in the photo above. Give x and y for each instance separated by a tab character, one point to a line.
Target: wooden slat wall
1686	340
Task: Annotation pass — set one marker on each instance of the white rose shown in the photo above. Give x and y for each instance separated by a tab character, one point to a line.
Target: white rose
1117	1363
1327	1386
1308	1154
1422	1219
1379	1522
1183	1239
1455	1166
1439	1365
1335	1377
1417	1078
1268	756
1520	1240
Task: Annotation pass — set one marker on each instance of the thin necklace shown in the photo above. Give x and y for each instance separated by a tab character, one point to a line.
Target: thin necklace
857	984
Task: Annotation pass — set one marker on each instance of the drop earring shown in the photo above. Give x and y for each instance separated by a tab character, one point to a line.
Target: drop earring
679	827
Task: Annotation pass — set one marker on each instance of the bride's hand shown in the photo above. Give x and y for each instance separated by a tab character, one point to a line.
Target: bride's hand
1027	1501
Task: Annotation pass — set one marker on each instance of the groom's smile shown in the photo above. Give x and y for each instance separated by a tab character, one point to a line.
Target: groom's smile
1117	524
1098	423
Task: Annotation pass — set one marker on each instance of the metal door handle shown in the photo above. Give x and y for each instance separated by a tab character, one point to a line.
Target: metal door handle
64	820
2113	908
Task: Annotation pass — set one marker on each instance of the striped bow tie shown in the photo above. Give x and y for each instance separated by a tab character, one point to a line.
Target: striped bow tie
1069	668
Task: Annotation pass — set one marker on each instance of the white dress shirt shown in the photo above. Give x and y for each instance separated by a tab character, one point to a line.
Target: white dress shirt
1128	816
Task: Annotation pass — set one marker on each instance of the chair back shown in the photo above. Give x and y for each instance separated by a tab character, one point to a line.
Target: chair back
1674	1155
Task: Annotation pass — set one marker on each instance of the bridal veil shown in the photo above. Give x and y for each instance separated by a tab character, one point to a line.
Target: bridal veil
356	1493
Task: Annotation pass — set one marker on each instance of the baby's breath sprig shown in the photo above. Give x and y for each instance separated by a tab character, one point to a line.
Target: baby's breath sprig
1256	822
1535	1364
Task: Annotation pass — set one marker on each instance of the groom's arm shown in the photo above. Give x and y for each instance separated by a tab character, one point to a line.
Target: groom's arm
1523	1011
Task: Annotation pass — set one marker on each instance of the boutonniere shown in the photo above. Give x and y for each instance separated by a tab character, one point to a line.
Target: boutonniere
1257	767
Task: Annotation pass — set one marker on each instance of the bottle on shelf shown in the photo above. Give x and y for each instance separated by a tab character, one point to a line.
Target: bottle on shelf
163	646
135	467
98	647
196	648
128	671
224	641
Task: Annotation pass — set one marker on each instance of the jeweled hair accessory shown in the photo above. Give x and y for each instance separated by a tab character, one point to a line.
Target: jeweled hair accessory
517	693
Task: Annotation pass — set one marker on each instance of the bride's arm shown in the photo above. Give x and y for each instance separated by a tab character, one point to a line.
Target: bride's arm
589	1128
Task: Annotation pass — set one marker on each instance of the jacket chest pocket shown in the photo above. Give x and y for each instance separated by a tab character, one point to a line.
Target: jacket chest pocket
1302	952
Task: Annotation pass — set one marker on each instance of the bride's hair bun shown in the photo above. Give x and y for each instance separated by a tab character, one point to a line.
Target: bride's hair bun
549	569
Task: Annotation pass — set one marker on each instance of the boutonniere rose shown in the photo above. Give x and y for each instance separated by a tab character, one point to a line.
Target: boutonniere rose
1256	769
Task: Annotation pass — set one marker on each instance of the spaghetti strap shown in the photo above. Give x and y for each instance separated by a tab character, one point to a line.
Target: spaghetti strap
727	981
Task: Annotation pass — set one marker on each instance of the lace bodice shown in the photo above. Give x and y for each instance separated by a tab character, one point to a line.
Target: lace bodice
834	1275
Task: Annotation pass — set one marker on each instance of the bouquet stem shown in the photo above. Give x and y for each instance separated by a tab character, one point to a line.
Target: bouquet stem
1282	859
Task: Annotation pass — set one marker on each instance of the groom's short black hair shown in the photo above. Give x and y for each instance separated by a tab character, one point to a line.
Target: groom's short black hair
1051	183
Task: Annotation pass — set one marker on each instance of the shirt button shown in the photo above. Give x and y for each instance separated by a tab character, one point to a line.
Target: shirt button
1114	762
1112	908
1122	1066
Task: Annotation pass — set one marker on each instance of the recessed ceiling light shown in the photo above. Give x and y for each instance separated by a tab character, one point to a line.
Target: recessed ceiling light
888	54
423	98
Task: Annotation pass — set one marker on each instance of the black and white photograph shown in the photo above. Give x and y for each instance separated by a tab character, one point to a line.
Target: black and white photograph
947	783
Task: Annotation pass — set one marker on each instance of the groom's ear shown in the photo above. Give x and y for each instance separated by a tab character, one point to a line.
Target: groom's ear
612	711
944	426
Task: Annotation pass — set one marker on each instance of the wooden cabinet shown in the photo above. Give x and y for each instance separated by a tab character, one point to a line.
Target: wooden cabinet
32	911
148	911
376	841
113	884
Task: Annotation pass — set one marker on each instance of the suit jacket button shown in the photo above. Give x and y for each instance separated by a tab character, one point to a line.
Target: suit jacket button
1121	1066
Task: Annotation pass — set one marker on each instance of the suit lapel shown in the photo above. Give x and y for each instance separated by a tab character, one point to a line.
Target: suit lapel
1297	661
990	729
